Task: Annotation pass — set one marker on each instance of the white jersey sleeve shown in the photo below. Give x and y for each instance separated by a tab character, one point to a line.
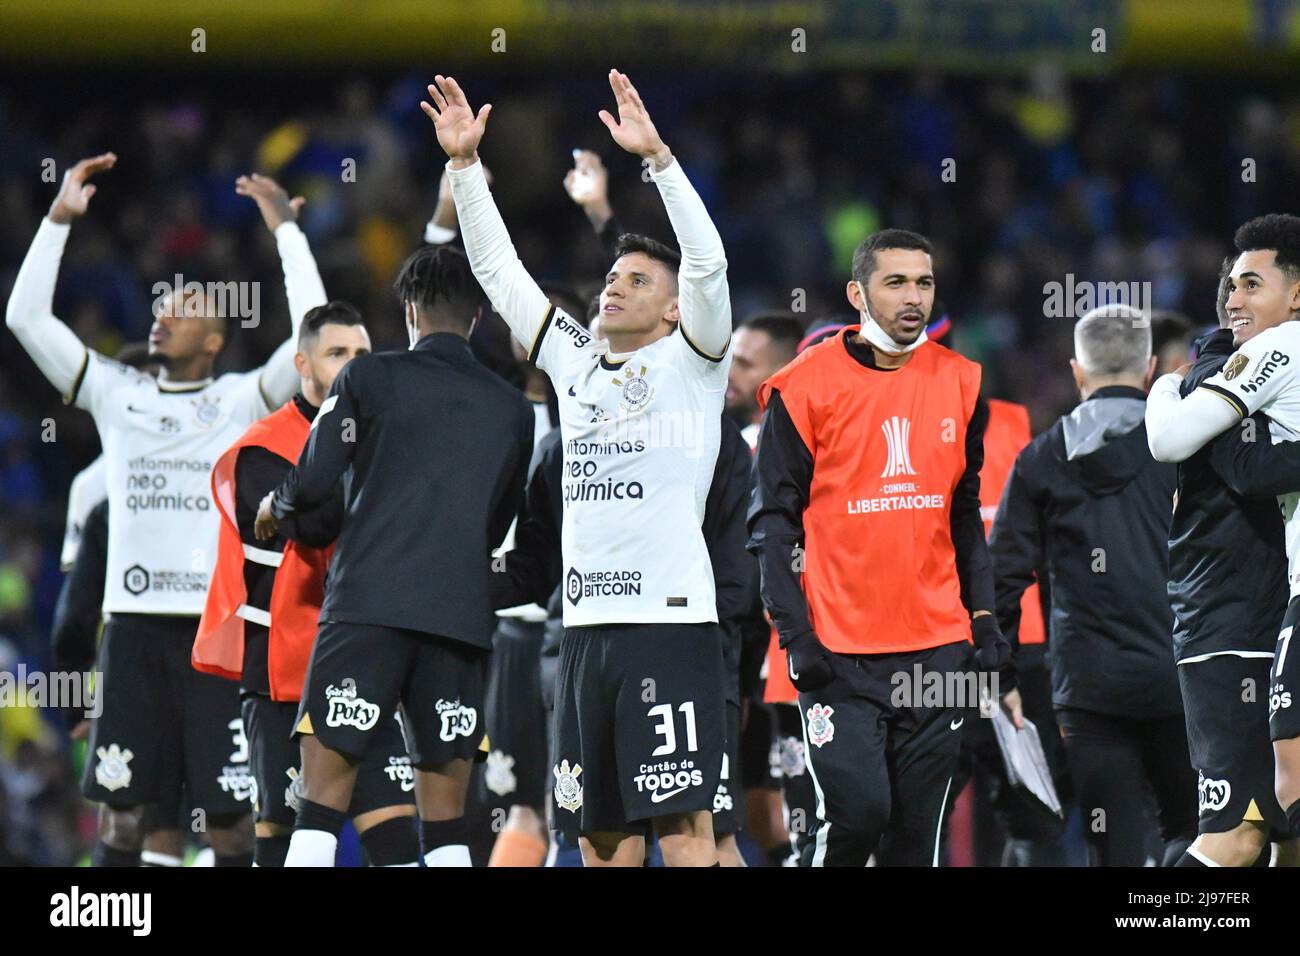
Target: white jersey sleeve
703	297
555	340
1178	427
1258	372
278	379
54	347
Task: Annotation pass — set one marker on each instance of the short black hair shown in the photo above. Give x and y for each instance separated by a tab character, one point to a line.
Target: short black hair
634	242
1169	328
1277	231
439	281
782	328
864	256
335	312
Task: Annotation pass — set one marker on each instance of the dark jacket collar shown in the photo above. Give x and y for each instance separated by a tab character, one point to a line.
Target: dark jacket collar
305	408
447	344
1118	391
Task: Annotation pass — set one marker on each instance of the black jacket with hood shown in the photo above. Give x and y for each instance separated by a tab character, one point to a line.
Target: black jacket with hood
1086	500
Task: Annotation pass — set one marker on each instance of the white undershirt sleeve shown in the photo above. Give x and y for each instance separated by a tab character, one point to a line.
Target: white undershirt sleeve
1178	428
54	347
303	287
702	294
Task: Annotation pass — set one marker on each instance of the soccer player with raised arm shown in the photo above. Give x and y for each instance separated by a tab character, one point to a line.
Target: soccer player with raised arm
161	719
639	706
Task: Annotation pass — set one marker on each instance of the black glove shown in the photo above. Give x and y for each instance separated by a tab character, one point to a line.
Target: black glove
809	663
992	650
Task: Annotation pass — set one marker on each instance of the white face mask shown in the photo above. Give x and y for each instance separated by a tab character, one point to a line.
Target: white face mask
877	336
412	330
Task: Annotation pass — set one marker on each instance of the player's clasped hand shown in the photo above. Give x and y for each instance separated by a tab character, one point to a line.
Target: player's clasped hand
809	662
267	525
992	650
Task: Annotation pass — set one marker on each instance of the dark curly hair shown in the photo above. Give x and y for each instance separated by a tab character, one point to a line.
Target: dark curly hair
1277	231
438	280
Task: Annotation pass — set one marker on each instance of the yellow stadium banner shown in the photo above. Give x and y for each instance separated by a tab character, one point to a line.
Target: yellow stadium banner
759	35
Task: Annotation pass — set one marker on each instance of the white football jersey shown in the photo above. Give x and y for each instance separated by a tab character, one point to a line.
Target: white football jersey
89	488
160	443
1262	375
641	440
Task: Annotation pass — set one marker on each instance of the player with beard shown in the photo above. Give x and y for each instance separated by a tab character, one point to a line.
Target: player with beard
161	720
1228	599
866	522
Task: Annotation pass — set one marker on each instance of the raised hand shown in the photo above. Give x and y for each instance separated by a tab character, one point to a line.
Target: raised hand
74	195
634	131
272	201
587	184
459	129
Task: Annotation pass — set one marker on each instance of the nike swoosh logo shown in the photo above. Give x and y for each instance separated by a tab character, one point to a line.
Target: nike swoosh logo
572	393
657	797
956	723
138	411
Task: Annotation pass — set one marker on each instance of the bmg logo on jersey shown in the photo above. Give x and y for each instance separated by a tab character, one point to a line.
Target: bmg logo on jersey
457	719
667	779
1264	369
566	326
347	709
578	585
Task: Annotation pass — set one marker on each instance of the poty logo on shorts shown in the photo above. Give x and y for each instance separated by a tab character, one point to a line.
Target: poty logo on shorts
820	729
1212	795
578	585
667	779
457	719
346	708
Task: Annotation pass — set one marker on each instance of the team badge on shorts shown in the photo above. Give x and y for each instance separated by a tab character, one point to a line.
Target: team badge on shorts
820	729
294	792
636	392
1212	795
112	772
791	759
499	775
346	708
568	792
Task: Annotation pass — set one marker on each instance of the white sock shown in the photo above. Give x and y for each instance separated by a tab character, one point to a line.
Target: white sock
455	854
311	848
392	866
152	858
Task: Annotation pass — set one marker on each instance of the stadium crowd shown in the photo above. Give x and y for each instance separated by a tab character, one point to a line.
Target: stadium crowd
1102	180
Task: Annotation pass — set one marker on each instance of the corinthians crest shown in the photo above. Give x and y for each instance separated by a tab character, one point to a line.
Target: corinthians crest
636	391
206	411
568	792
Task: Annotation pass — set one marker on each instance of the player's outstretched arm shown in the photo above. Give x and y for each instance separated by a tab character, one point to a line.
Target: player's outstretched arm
509	287
703	297
54	347
302	283
1177	428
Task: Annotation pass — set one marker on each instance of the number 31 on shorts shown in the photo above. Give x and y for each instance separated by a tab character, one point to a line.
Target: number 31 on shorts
666	729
